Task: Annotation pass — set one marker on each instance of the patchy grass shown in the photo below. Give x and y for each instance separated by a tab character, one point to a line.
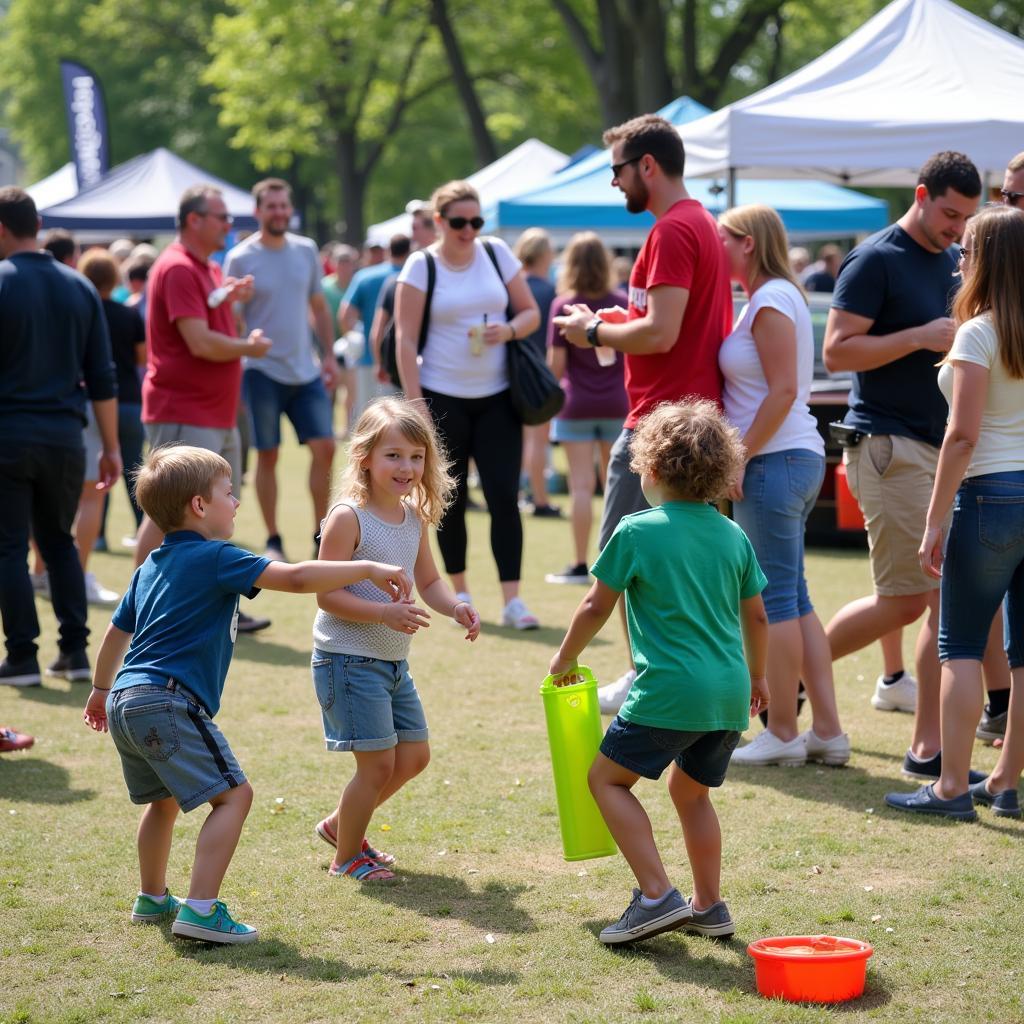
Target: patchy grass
479	852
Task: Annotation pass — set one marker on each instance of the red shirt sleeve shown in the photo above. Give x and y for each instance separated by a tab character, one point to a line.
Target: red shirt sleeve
183	293
671	255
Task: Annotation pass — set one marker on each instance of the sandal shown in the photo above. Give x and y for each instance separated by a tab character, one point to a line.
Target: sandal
362	869
323	830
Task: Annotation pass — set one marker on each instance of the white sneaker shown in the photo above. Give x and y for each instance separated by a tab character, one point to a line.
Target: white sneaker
40	583
613	696
96	593
130	541
835	752
898	696
767	749
518	616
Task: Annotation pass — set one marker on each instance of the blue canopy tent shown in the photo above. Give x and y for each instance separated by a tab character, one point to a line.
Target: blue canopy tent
580	198
142	196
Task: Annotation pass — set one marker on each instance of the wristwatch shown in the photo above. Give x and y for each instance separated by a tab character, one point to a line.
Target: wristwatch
592	331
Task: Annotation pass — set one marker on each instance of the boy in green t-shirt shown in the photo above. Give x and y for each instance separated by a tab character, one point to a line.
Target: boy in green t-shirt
693	603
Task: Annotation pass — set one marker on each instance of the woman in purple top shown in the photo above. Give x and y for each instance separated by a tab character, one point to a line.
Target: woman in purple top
595	395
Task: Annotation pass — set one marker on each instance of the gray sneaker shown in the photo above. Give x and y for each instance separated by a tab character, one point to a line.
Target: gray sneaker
716	922
991	727
640	922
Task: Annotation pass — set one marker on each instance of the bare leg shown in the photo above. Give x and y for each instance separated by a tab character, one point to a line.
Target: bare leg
1011	758
266	487
321	452
156	827
147	540
87	522
604	456
927	739
509	589
785	656
868	619
580	455
217	841
360	798
818	679
628	823
702	834
458	581
892	652
535	460
962	698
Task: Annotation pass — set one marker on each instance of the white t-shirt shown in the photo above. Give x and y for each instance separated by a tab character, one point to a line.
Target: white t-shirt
1000	447
745	386
461	299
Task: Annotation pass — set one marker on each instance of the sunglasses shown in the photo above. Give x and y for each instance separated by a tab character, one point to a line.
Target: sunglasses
225	217
458	223
1013	198
617	168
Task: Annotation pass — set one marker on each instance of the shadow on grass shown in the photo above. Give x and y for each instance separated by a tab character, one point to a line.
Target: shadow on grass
443	896
264	651
547	636
849	787
75	693
272	956
29	779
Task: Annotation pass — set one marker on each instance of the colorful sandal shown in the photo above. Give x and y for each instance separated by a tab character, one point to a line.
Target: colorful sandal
323	830
362	869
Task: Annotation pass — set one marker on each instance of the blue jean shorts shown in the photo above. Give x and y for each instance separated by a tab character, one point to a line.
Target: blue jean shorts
704	756
306	405
983	567
586	430
366	703
779	491
169	746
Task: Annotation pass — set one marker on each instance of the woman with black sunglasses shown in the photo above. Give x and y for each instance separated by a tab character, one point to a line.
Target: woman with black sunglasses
463	377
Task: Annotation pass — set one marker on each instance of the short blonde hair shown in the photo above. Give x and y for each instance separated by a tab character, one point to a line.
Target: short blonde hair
689	447
100	267
435	490
172	476
532	246
452	192
770	258
586	269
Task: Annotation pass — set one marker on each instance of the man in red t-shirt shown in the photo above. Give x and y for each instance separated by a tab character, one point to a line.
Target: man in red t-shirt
193	377
680	308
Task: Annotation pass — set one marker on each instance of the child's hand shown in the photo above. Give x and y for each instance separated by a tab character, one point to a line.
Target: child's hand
466	615
563	670
404	617
758	695
95	714
392	579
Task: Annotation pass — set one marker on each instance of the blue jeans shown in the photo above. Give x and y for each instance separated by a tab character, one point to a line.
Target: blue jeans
984	564
779	491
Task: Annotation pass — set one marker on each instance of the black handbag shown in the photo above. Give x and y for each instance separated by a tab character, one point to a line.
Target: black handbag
535	392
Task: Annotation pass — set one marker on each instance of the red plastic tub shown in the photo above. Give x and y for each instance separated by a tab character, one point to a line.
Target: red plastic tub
848	513
810	968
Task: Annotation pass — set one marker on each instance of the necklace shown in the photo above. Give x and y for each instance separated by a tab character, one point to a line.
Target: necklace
456	266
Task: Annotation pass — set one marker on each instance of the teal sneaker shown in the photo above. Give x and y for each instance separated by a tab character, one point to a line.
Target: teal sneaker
217	926
148	911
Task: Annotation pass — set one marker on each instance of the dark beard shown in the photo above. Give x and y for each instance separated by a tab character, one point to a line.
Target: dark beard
637	198
276	231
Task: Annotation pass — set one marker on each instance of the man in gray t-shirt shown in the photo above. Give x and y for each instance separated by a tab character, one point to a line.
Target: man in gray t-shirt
291	380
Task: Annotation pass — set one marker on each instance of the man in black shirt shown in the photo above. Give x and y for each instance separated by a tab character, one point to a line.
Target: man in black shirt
53	335
890	325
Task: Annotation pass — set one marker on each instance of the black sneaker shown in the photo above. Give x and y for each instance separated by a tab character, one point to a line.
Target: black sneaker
247	624
547	512
991	727
24	672
275	548
74	667
571	574
931	770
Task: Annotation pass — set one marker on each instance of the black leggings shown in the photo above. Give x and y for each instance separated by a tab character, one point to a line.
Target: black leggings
488	431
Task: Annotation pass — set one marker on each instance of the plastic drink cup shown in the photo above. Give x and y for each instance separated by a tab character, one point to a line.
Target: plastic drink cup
606	355
574	736
217	296
476	339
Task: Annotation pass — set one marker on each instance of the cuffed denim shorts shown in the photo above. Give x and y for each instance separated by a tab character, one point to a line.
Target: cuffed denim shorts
983	567
307	406
366	703
704	756
779	491
607	430
169	746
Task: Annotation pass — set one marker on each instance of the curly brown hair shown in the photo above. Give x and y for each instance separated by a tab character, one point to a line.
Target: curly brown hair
689	448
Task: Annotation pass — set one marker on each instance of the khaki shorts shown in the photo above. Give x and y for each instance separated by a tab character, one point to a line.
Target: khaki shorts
224	442
891	477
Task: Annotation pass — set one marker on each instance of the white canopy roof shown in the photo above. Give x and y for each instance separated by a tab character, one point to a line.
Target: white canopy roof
527	165
919	77
55	188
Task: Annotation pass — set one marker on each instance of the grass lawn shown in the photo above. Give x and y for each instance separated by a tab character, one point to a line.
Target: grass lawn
488	922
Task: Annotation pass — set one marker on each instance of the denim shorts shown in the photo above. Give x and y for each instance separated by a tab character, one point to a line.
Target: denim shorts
306	405
169	746
366	703
984	565
586	430
704	756
779	491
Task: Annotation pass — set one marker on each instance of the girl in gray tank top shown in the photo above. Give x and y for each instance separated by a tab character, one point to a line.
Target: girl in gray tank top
396	485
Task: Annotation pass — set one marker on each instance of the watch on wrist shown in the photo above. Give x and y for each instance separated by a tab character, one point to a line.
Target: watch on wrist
592	331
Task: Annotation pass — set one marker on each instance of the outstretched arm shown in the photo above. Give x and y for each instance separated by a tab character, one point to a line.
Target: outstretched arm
591	615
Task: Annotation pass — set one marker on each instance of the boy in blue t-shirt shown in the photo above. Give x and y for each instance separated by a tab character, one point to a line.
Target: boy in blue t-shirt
175	631
693	603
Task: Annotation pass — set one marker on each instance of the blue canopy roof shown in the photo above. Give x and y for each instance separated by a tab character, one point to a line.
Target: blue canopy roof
143	195
580	198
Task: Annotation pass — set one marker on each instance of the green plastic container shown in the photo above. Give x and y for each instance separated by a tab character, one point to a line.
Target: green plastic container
574	734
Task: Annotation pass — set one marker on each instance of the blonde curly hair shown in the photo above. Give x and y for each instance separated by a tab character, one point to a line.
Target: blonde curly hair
435	490
689	448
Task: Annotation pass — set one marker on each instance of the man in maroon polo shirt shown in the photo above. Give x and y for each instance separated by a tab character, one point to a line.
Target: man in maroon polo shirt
193	378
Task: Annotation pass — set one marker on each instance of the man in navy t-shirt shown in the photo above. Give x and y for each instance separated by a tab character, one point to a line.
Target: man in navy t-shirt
890	325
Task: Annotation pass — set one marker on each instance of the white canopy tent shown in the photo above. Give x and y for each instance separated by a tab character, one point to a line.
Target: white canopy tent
527	165
55	188
919	77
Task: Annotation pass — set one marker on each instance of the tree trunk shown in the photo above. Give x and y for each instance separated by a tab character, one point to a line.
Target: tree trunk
654	80
483	142
352	186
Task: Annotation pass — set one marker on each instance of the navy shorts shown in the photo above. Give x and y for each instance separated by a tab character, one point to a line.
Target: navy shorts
307	406
704	756
169	746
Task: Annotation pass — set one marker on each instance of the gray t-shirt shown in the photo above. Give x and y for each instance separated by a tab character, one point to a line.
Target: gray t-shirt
285	280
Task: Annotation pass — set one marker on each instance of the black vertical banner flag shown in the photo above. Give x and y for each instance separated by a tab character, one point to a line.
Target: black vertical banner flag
87	123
